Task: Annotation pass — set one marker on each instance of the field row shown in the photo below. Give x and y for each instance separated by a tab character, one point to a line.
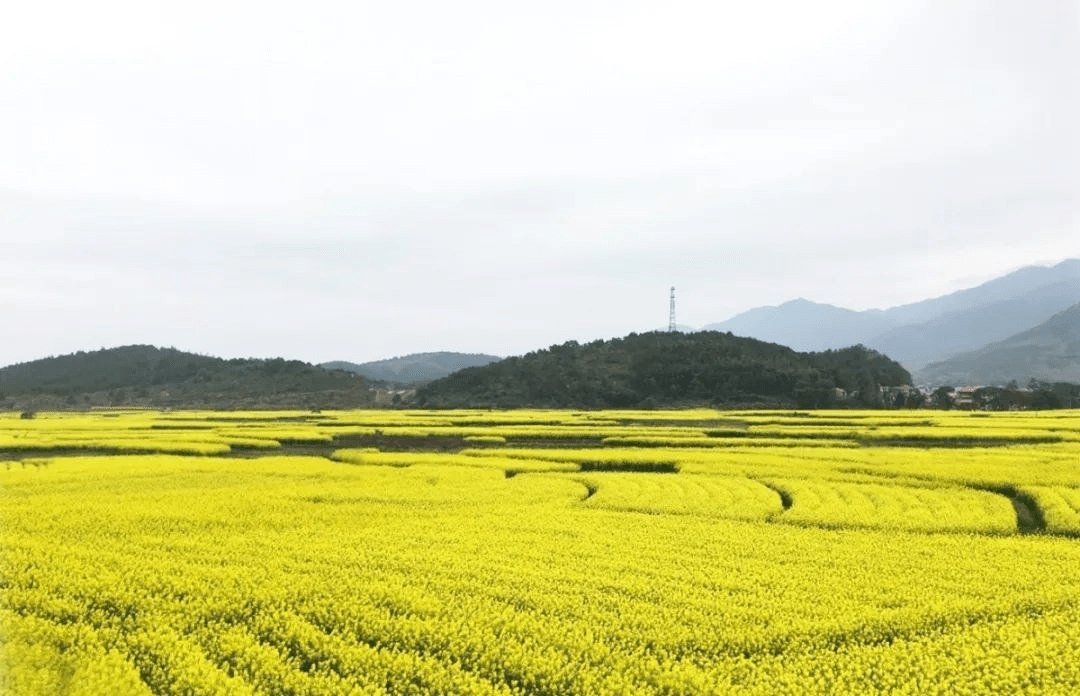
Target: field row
222	433
858	502
324	578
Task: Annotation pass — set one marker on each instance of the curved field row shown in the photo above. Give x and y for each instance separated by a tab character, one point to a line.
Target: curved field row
718	496
1059	506
315	480
845	504
1016	466
1020	465
216	433
494	459
428	477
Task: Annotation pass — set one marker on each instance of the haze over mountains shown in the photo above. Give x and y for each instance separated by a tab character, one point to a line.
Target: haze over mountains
1048	352
937	329
415	368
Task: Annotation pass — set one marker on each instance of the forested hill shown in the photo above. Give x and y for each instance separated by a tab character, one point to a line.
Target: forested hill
662	369
142	375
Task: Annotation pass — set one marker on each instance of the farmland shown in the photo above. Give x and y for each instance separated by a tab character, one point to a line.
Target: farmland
539	552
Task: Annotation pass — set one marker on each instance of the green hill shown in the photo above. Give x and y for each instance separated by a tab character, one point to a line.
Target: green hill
148	376
662	369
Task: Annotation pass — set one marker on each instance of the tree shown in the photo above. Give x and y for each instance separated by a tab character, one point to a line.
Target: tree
942	397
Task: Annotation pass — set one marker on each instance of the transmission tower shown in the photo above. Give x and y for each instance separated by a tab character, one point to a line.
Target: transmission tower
671	312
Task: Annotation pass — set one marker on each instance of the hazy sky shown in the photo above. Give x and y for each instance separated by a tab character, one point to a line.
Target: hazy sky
356	180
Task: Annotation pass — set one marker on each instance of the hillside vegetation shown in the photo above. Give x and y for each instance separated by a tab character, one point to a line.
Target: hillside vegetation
661	369
142	375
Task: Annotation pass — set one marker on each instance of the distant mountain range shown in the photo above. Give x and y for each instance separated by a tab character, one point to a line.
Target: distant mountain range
930	331
414	369
1048	352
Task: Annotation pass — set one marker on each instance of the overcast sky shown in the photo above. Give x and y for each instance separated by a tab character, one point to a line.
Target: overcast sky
358	180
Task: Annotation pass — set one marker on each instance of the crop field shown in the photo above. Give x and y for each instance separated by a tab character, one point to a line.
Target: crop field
539	552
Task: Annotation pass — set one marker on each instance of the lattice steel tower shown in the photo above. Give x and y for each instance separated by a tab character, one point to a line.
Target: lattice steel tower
671	312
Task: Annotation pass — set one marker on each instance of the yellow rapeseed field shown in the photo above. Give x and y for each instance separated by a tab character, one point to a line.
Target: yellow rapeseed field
540	552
